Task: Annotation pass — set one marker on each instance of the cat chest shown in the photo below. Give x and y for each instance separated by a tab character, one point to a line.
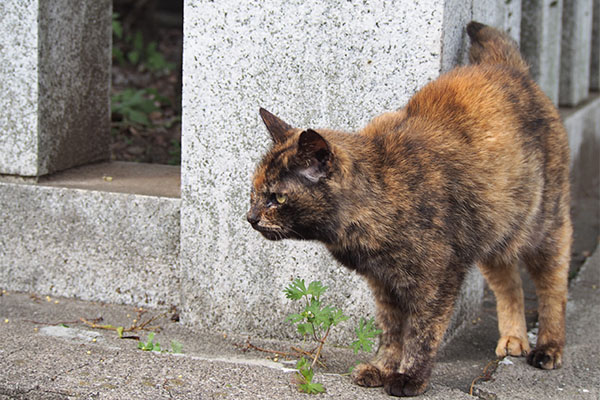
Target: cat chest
363	261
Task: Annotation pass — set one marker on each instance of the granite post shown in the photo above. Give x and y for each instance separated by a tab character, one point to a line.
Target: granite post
54	78
595	62
540	42
576	52
315	64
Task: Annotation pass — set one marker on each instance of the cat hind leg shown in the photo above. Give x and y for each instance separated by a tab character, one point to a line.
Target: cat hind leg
549	269
505	281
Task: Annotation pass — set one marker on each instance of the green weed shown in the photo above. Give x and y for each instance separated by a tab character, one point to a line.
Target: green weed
133	106
316	321
150	345
131	48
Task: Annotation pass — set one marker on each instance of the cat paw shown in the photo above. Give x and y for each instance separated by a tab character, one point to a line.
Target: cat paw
547	356
366	375
402	385
512	346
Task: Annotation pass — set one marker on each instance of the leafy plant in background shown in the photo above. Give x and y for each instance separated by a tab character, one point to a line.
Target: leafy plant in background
175	152
141	118
131	48
134	106
316	321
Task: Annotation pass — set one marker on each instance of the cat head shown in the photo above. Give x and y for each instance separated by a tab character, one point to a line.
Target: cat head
290	194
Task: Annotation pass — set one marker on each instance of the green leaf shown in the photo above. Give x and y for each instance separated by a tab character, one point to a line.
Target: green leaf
117	27
138	42
120	331
149	346
133	56
306	328
176	347
316	289
295	318
118	55
311	388
137	117
365	332
302	363
295	290
313	309
338	316
155	61
305	376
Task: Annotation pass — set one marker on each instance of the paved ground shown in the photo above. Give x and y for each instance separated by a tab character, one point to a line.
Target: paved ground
46	352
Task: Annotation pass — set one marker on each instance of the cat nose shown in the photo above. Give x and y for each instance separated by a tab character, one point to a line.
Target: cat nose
252	217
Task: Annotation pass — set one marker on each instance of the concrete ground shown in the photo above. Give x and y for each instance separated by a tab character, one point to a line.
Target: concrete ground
47	352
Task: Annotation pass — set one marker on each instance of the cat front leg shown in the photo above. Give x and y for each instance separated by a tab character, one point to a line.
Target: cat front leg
385	363
391	320
424	331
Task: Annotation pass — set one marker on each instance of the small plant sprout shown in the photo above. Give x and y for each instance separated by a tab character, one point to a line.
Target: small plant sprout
150	345
316	321
176	347
305	376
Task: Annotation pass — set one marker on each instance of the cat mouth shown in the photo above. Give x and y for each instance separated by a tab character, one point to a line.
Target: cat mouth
271	233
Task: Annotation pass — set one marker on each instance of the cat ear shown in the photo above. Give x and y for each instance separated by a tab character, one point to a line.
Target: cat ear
314	156
278	129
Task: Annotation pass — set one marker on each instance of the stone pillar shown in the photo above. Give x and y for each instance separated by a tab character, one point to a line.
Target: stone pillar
315	64
576	52
502	14
595	63
55	59
540	42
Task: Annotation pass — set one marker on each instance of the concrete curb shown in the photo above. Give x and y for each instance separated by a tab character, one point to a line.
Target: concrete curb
580	375
41	359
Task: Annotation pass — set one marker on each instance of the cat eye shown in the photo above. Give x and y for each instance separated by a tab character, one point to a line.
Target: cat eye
281	198
277	199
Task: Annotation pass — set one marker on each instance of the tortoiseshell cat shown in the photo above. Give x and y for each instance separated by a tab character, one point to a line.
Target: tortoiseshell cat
473	170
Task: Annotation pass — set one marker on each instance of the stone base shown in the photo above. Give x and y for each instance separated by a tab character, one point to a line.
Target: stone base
93	245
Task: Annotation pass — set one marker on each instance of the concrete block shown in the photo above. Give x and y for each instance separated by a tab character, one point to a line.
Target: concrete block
316	64
457	14
503	14
576	52
19	87
541	42
595	63
55	77
113	247
583	125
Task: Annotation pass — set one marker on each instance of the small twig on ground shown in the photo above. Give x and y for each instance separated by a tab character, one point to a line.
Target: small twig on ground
486	375
134	326
295	353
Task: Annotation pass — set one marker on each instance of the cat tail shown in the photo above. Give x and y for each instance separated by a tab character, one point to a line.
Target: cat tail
492	46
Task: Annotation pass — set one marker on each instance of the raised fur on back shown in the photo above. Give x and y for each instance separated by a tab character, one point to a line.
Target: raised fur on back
490	46
474	170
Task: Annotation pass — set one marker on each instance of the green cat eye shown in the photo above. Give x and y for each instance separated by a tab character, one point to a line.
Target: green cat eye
281	198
